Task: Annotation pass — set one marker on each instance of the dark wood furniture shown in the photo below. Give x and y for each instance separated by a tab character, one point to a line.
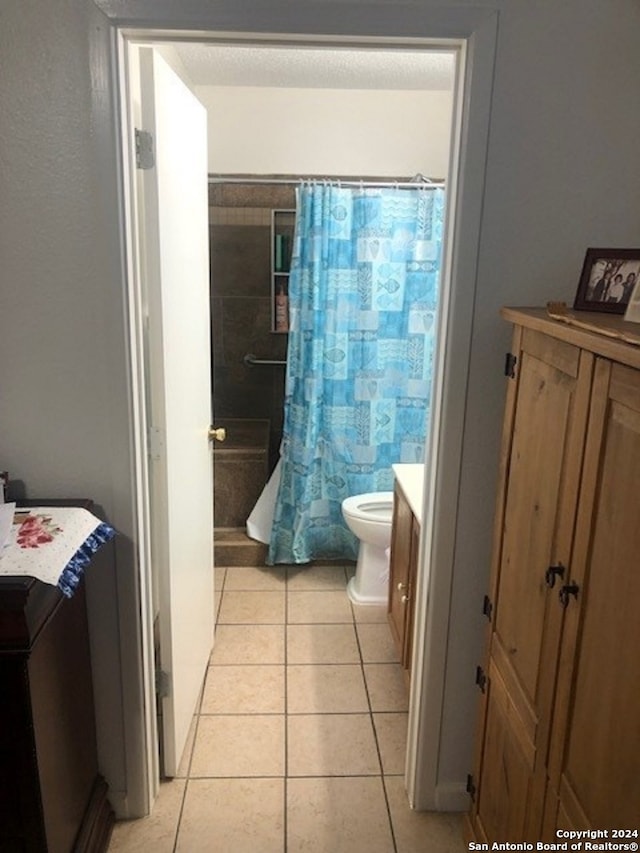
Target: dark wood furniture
52	797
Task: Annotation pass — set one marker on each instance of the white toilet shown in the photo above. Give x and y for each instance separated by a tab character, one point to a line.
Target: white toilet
369	517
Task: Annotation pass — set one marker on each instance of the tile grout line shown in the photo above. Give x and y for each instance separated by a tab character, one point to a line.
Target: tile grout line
274	714
180	813
197	715
303	776
284	715
375	737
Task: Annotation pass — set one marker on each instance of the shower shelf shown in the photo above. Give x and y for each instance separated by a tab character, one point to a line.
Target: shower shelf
282	227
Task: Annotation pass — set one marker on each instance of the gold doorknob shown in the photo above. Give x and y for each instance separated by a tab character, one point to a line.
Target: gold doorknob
219	434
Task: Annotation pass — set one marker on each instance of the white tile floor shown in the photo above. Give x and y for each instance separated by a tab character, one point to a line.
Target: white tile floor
299	742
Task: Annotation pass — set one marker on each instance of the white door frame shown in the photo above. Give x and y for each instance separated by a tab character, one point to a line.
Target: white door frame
142	782
475	29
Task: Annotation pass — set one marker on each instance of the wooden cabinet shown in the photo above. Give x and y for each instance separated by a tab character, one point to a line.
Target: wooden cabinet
405	539
558	742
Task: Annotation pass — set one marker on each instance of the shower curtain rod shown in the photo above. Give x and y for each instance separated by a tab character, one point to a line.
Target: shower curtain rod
422	182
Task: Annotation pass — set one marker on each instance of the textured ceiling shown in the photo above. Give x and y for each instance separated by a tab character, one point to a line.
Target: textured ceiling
326	68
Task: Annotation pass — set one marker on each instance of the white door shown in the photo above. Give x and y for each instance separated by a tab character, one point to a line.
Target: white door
174	216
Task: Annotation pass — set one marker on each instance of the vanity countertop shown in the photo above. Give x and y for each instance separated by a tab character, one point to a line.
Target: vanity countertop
410	477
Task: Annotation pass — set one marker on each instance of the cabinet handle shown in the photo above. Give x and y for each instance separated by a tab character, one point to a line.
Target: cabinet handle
567	590
404	599
553	572
400	586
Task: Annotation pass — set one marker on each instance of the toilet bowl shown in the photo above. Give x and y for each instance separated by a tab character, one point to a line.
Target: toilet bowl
369	517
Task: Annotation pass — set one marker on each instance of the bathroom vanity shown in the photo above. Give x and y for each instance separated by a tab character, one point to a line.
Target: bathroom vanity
403	562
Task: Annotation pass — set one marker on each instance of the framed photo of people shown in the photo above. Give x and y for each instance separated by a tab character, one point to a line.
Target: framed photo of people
632	314
608	279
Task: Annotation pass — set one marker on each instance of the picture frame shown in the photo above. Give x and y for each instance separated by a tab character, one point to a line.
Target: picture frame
609	276
632	314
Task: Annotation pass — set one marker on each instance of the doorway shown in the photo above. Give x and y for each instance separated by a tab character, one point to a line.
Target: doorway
291	112
450	368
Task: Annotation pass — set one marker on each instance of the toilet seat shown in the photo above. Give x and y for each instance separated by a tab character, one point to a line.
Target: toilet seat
372	506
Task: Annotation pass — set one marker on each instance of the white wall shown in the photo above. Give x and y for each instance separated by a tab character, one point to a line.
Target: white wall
327	131
561	176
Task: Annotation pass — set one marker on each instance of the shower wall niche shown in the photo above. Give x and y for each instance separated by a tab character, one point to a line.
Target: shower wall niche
241	308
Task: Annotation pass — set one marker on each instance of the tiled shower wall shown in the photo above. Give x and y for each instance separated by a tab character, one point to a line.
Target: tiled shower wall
240	235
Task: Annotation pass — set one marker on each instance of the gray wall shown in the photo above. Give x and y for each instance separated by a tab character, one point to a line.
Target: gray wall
562	173
63	378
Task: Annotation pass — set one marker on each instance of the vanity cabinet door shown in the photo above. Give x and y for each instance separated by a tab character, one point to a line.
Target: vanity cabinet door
403	559
411	604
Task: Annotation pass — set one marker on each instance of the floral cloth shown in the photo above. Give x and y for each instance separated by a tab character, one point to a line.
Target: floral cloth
53	544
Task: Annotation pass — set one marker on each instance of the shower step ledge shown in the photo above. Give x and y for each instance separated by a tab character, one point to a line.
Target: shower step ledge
232	547
232	535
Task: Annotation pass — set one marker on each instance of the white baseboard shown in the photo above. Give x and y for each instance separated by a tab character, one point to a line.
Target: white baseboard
121	806
452	798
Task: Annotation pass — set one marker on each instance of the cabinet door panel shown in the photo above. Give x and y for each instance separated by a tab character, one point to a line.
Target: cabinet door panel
541	432
549	428
600	784
399	567
411	603
504	783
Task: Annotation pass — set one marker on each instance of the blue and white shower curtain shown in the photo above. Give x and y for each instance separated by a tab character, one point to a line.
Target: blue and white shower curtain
363	295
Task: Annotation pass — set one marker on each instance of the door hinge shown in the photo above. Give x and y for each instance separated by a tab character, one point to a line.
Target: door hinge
481	679
155	443
145	156
552	573
471	788
163	684
567	590
510	362
487	607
